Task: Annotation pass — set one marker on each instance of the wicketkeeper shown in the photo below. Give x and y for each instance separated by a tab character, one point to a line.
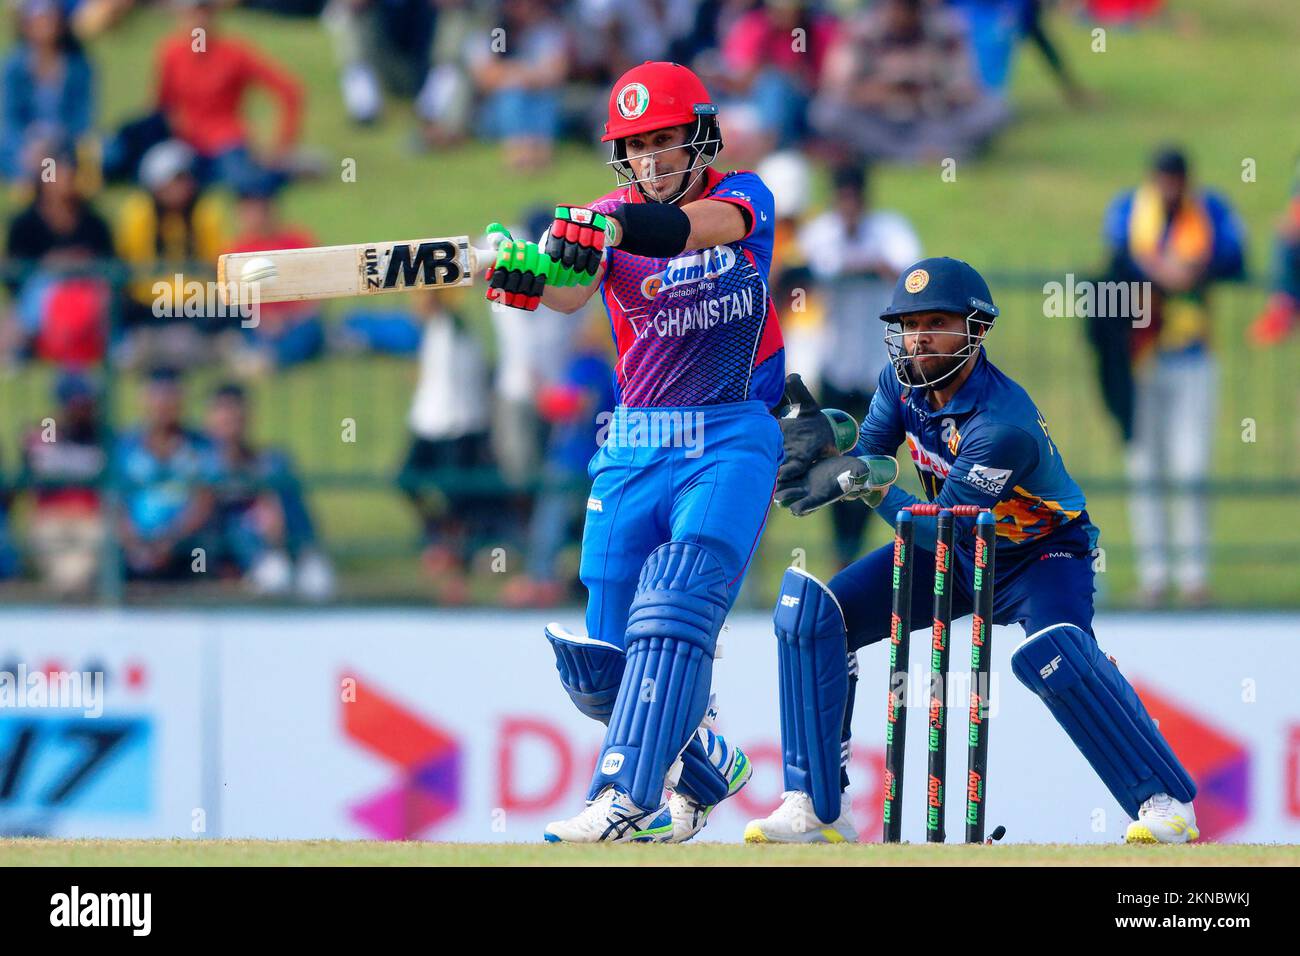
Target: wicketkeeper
975	438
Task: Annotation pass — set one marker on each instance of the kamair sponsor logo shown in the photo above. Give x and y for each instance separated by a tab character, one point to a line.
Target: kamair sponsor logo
989	480
684	270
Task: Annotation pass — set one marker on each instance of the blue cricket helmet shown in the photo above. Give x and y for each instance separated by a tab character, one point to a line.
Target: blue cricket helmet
937	284
940	284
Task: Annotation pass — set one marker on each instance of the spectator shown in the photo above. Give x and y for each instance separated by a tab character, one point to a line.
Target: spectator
58	316
856	254
619	34
381	44
1281	316
204	79
520	84
167	233
530	352
788	174
572	407
9	558
94	17
449	426
446	99
286	333
1122	12
996	27
63	463
773	57
261	520
167	503
901	85
48	89
1181	241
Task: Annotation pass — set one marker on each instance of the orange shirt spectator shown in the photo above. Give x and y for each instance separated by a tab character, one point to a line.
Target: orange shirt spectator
202	92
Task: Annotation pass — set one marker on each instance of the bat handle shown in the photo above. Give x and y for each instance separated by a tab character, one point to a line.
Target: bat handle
480	259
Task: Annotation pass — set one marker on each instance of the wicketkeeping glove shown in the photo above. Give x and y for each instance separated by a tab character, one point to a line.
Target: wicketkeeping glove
576	243
810	432
833	479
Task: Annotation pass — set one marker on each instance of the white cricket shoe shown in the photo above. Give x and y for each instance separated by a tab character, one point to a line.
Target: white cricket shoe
612	818
1162	819
795	822
689	815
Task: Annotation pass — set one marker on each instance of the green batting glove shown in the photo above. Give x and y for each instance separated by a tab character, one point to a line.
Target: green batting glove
576	244
519	274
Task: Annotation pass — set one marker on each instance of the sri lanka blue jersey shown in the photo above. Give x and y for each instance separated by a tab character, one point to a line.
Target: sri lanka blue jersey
988	446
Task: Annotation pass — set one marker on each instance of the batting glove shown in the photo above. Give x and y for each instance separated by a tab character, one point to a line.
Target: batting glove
519	274
576	243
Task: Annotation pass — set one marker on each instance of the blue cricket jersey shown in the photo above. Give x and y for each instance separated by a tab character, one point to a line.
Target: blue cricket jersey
988	446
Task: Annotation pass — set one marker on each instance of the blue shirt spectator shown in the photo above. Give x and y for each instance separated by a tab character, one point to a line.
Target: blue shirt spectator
163	469
48	89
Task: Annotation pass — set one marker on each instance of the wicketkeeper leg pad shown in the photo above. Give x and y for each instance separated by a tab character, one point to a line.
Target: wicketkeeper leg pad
590	670
1103	715
813	662
672	633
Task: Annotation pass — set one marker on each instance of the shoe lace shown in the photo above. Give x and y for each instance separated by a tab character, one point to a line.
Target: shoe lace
1160	805
793	805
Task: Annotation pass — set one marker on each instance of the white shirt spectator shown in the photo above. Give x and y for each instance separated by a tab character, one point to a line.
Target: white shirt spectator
451	397
855	337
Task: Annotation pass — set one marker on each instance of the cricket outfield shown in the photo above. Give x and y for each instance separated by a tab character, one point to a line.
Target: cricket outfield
43	852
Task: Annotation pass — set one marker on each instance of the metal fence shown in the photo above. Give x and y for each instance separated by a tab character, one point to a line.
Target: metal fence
368	527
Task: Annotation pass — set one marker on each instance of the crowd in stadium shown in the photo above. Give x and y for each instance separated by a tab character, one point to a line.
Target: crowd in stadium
803	86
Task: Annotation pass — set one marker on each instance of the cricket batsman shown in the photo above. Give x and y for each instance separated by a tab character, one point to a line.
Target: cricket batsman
975	438
682	483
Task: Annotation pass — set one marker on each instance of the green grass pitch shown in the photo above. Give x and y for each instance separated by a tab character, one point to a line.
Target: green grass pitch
40	852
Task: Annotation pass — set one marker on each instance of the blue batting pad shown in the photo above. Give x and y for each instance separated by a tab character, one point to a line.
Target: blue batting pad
1103	715
680	604
701	780
589	669
813	661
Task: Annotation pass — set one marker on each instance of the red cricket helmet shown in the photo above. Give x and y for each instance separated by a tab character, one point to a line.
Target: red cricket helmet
654	96
658	95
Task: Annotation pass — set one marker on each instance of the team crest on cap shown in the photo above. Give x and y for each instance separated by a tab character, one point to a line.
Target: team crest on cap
917	280
633	100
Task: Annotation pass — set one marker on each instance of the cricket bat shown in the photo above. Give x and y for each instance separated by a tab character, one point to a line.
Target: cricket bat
328	272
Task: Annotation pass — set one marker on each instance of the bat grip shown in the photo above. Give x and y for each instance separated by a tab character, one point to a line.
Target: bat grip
480	259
